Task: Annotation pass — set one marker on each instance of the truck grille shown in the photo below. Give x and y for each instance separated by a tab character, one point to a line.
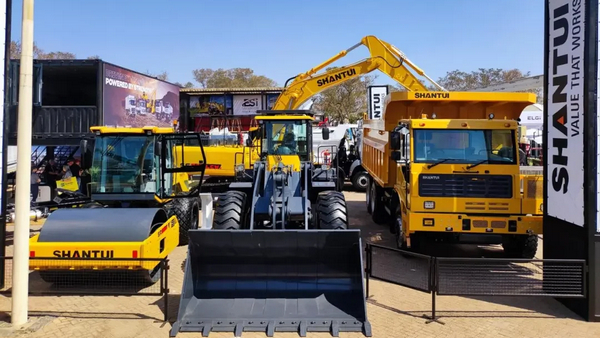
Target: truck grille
451	185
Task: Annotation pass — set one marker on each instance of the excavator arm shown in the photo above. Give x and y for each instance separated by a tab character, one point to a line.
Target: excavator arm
384	57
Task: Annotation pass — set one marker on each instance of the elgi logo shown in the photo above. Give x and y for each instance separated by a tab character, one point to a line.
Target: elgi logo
250	103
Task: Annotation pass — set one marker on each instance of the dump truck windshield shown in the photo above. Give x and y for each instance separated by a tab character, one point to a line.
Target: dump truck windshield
464	146
123	164
286	138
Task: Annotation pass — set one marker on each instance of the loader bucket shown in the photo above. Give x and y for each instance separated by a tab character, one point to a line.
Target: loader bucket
279	280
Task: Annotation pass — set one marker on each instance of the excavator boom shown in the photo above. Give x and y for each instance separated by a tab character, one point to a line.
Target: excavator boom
383	56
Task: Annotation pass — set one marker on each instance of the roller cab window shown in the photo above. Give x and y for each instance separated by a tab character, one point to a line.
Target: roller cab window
471	147
123	165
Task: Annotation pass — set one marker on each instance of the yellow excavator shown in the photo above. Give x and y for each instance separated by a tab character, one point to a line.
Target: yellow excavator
227	162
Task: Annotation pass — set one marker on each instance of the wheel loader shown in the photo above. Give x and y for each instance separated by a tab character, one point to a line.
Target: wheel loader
143	205
280	255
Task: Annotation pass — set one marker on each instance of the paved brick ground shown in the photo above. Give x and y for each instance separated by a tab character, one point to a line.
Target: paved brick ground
393	311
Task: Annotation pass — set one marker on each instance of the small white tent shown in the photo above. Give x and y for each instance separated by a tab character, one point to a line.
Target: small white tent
532	118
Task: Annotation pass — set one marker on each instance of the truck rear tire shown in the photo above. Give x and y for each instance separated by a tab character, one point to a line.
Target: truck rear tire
520	246
360	181
378	213
368	195
230	211
332	212
187	211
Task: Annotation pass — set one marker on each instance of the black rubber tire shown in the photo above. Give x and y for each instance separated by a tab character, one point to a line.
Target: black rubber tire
51	277
149	277
187	211
230	211
360	181
341	177
332	212
368	196
92	205
523	246
378	213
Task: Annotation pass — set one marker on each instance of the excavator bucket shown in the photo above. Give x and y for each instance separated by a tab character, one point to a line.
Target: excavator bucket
273	280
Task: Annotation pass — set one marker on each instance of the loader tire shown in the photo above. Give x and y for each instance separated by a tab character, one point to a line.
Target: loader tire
187	211
332	212
230	211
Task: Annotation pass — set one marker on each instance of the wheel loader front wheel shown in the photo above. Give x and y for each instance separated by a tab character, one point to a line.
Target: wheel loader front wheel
230	211
332	212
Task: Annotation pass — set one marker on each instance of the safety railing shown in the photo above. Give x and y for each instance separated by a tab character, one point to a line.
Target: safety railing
94	277
451	276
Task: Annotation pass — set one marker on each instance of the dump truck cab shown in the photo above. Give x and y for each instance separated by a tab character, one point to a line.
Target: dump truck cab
143	205
446	165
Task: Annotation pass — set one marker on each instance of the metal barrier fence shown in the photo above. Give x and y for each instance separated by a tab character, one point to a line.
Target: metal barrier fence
100	277
449	276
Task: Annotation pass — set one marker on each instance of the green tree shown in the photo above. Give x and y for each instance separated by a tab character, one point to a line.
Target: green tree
457	80
231	78
38	53
346	101
161	76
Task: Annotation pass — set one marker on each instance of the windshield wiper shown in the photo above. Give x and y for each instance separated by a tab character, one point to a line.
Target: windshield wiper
476	164
438	162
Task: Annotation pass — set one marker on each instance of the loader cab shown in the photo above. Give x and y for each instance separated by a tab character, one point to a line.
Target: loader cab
143	166
286	135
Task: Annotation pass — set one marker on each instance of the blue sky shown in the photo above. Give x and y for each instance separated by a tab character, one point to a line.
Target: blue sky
280	39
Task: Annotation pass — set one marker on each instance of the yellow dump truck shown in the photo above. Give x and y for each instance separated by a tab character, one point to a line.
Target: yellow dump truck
445	165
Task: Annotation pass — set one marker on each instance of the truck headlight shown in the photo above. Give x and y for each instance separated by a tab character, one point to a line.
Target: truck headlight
542	207
239	168
429	205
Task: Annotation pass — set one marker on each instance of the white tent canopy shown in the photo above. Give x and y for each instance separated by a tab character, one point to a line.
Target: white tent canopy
532	118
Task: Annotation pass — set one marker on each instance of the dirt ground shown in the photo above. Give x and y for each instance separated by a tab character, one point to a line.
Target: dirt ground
392	310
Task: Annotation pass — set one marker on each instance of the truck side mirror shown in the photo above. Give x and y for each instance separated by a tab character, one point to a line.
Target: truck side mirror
325	133
395	138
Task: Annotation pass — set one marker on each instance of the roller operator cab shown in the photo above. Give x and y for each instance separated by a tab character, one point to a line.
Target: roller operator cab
144	205
280	256
445	166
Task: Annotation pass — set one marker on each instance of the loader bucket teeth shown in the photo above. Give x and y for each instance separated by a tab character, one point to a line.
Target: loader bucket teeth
290	280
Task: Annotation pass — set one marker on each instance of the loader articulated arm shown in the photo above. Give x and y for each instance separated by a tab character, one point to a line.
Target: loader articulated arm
384	57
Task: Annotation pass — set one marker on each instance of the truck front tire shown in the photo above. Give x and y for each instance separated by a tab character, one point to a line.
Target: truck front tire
520	246
360	181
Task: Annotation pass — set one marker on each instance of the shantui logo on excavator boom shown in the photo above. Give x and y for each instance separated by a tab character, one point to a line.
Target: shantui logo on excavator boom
336	77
